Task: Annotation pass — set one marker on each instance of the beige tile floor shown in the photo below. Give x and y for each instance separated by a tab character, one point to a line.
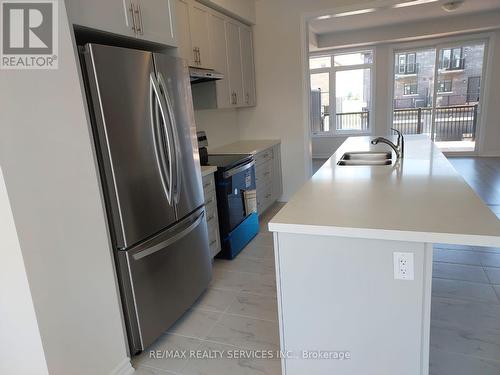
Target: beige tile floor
239	308
238	311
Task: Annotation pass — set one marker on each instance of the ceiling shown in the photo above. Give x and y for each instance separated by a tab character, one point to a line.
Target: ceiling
388	15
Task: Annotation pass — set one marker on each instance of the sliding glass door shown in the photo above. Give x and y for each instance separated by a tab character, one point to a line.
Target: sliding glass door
437	91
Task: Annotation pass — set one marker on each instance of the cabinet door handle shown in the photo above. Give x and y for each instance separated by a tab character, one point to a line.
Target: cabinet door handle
132	14
196	55
139	18
268	195
212	242
247	98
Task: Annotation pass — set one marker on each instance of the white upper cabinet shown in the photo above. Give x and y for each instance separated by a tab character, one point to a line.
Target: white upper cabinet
183	30
219	58
234	76
199	17
247	66
110	16
155	21
150	20
211	40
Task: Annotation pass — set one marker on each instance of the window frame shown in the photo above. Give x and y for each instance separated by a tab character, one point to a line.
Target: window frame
334	132
406	64
451	59
442	83
410	85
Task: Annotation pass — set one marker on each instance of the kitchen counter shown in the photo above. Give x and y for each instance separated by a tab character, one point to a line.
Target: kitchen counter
355	245
207	169
422	199
245	147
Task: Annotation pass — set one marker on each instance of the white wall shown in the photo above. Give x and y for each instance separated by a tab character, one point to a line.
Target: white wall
21	351
279	75
383	38
418	30
46	154
221	125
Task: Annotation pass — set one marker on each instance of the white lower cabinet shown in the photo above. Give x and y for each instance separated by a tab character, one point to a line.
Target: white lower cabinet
268	177
211	214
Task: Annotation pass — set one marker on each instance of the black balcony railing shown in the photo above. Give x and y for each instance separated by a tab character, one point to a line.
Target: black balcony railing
452	123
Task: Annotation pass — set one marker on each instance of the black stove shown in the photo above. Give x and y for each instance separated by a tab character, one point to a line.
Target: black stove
234	179
228	161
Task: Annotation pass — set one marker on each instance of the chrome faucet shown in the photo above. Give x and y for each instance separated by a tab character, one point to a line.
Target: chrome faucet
398	149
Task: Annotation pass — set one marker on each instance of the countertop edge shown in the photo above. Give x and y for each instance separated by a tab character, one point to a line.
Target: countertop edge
230	148
207	170
385	234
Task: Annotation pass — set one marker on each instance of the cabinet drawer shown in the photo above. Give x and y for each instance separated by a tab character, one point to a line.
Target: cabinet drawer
208	185
263	156
211	209
263	174
213	240
264	197
210	199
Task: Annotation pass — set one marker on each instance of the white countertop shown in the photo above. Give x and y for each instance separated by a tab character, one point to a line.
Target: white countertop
245	147
207	169
422	200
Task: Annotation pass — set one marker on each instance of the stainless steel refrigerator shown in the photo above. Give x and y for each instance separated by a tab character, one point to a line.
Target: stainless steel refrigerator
143	124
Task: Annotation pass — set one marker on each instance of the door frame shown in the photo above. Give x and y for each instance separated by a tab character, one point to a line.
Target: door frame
439	43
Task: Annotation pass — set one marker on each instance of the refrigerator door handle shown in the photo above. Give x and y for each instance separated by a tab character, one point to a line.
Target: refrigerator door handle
173	122
159	151
176	237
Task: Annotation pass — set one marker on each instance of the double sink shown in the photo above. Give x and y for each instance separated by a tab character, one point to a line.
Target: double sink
369	158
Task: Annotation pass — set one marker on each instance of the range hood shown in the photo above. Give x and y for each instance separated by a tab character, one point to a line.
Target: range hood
199	75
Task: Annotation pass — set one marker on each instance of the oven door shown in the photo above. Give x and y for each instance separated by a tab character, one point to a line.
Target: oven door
231	186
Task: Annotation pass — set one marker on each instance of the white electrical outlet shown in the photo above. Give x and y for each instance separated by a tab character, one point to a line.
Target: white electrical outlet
403	266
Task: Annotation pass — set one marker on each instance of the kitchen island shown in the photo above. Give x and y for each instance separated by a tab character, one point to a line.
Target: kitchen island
353	252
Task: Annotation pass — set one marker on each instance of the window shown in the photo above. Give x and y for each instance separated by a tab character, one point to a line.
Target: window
320	62
341	89
451	59
410	89
445	86
406	63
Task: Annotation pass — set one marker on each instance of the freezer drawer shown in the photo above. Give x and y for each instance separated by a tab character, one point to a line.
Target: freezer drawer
162	278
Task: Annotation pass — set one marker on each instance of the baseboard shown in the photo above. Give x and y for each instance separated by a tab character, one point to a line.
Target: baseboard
124	368
490	155
321	156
